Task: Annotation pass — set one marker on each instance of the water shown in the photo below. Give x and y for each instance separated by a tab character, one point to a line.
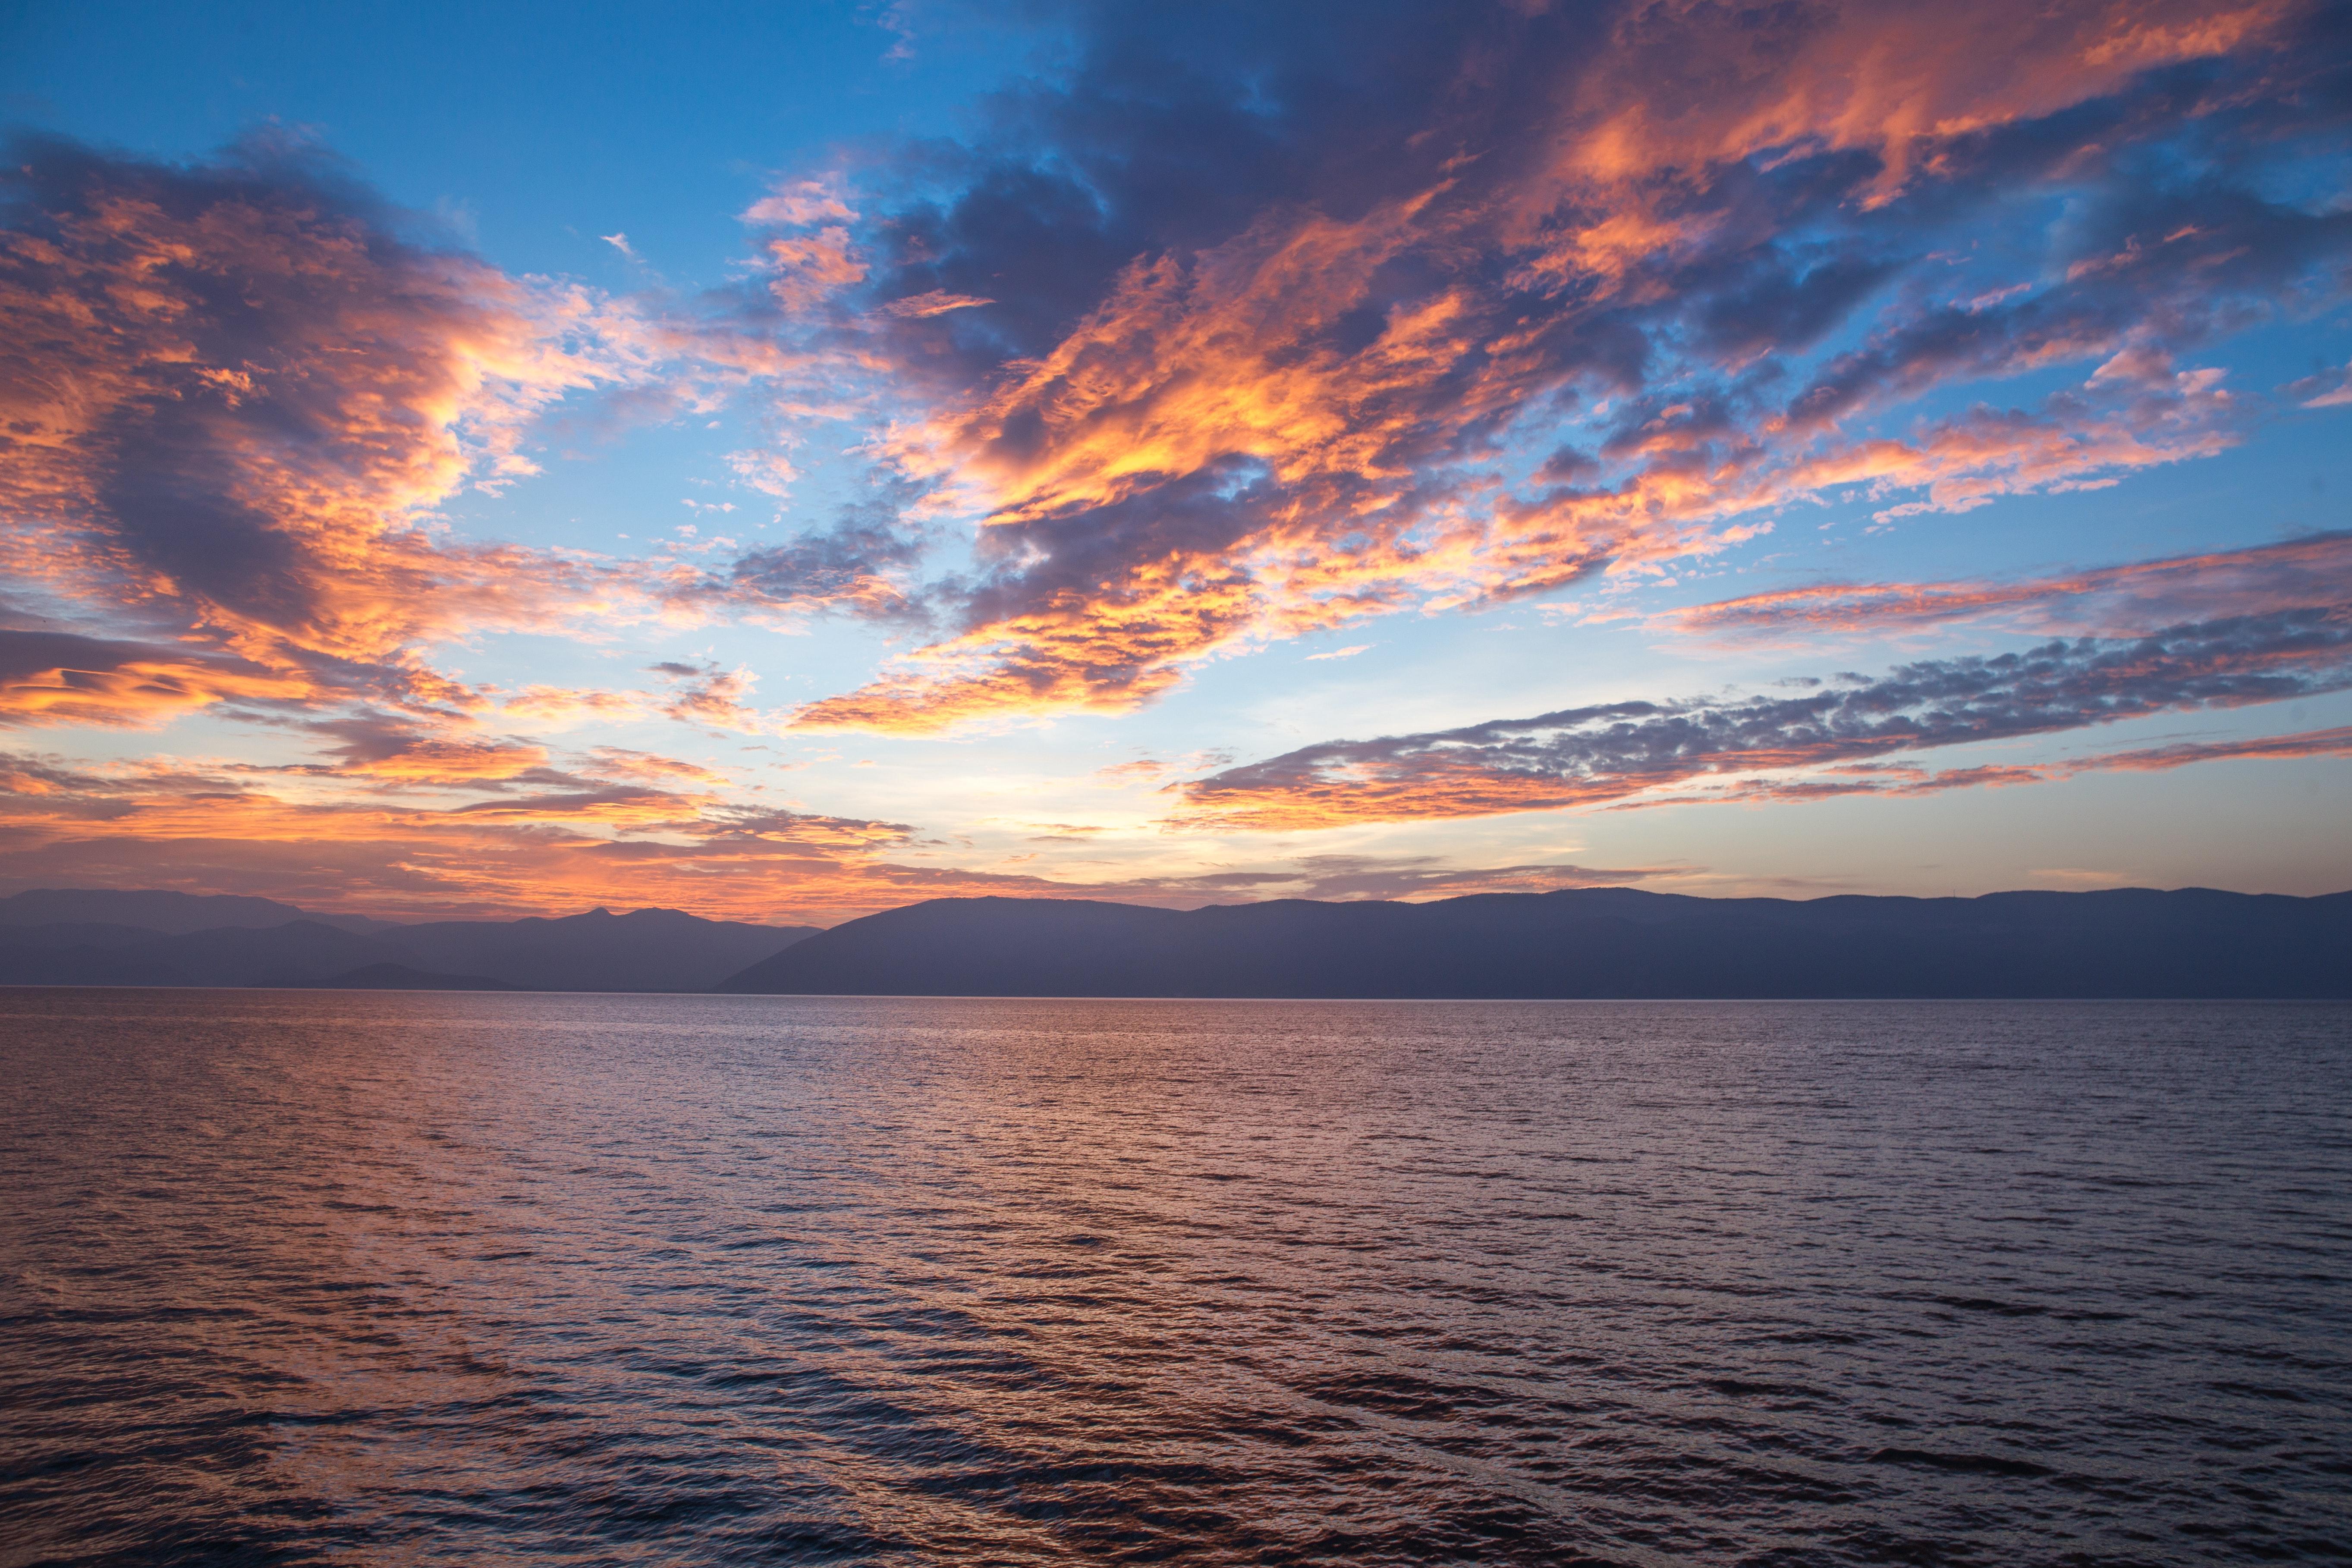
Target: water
302	1277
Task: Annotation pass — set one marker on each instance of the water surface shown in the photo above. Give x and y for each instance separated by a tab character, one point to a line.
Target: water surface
381	1277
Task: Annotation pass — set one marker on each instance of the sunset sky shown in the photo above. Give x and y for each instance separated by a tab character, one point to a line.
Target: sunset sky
786	462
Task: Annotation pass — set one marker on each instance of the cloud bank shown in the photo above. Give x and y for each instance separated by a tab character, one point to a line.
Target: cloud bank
1261	321
531	835
1253	322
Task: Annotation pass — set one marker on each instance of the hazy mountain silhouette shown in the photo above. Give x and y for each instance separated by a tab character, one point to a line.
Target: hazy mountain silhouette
1602	941
400	977
645	949
1611	941
158	910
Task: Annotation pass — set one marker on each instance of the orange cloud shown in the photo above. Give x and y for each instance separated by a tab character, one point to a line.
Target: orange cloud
561	706
231	398
705	695
1690	87
614	762
147	825
1111	638
50	678
455	762
1320	409
158	824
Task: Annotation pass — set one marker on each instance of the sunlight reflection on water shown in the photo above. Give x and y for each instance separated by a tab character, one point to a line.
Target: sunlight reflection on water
304	1276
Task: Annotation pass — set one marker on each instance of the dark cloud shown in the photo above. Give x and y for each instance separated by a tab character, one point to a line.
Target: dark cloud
24	653
398	748
2150	262
1268	301
2107	600
229	388
53	676
1611	752
862	565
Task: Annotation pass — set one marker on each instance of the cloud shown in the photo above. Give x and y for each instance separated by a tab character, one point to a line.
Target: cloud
1412	878
230	398
50	676
861	565
702	693
1140	770
620	763
799	203
1901	780
2109	601
1349	652
1270	322
2337	742
234	396
2332	390
808	270
397	747
938	303
161	822
1616	752
558	707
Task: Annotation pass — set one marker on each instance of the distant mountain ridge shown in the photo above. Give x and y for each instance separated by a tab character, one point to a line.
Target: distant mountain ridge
162	909
1576	942
1590	943
206	941
400	977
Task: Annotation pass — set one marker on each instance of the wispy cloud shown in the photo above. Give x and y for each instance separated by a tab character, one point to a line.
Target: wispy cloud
2110	600
702	693
1828	741
555	843
640	834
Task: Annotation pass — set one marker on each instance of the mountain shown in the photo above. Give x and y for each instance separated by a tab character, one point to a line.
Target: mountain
400	977
1595	942
156	909
645	950
1602	941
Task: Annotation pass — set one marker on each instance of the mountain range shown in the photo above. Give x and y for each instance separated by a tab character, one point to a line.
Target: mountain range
1576	942
1591	942
90	937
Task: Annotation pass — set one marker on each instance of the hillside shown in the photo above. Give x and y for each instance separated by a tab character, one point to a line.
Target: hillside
645	950
1591	942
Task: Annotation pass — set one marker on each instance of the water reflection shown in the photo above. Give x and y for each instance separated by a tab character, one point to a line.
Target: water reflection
707	1280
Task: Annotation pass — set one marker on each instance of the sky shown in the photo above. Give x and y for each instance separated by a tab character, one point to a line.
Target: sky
784	462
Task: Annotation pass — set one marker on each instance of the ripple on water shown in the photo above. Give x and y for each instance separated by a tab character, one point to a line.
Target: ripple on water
299	1277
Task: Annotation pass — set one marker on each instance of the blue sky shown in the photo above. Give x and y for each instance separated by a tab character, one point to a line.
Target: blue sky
788	461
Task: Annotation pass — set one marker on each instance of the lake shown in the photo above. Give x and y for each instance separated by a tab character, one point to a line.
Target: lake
300	1276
